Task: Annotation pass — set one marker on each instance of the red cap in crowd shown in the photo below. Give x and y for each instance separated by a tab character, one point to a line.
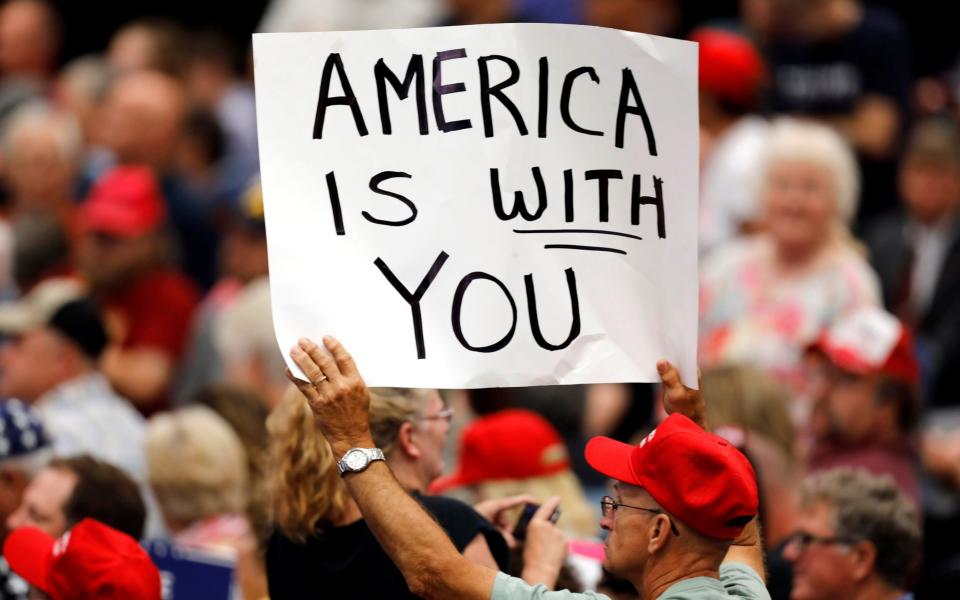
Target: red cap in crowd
696	476
125	203
509	444
91	561
730	67
869	341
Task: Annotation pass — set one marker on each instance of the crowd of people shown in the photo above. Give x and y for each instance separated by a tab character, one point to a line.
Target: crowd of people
143	396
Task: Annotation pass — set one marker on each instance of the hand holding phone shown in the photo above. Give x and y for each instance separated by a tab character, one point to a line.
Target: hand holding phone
530	509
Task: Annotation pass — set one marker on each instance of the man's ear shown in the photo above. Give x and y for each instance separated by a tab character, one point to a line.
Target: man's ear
865	558
659	532
407	440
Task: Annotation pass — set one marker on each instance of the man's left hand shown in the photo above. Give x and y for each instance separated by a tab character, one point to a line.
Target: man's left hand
336	393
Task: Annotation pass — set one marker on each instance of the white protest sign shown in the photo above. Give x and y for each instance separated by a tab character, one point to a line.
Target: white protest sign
492	205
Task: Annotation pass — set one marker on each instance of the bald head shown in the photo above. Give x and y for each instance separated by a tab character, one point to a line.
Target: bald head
142	118
29	38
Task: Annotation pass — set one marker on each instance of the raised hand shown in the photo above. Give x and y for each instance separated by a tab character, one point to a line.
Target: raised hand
678	398
336	393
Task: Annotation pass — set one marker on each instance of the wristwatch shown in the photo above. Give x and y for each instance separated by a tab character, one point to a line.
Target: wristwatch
358	459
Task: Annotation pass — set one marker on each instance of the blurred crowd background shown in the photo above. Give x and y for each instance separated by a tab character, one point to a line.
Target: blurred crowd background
135	315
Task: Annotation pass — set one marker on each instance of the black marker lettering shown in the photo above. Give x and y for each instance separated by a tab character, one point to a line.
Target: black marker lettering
544	91
519	207
535	320
656	200
414	299
439	89
457	305
603	177
414	76
628	87
375	188
565	98
486	91
334	194
325	100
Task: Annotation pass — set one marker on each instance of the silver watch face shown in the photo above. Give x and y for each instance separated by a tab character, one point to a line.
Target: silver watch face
355	459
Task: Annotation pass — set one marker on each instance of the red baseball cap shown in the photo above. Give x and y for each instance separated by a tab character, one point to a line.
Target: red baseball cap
125	203
696	476
730	66
91	561
869	340
509	444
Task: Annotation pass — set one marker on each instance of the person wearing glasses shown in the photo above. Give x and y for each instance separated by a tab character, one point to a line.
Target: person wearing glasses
320	545
681	522
858	536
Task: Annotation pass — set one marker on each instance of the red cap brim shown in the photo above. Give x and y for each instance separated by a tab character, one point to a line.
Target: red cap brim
611	458
28	551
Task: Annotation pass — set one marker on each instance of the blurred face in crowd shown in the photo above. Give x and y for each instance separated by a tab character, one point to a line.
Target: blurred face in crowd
824	567
930	188
33	363
28	40
431	434
845	406
799	202
44	501
757	16
40	177
814	19
108	261
132	49
13	482
244	253
658	17
142	118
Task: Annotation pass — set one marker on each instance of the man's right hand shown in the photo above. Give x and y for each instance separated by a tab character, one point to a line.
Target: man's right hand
545	547
678	398
336	393
496	511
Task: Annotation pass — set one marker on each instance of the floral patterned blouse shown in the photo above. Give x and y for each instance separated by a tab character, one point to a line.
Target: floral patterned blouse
751	313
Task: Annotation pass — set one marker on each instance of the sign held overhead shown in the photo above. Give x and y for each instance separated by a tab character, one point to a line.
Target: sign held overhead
492	205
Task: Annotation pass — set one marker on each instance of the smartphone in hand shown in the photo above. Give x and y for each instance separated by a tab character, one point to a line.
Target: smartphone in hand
529	509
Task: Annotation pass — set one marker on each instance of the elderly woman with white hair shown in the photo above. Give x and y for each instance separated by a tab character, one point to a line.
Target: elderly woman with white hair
765	298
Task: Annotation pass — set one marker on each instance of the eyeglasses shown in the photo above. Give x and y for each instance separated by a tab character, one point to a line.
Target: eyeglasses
444	415
802	540
609	506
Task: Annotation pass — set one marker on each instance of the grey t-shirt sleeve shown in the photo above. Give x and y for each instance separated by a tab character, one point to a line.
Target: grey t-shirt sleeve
741	581
514	588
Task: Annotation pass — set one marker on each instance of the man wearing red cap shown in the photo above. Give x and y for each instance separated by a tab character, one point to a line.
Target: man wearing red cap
864	378
124	253
91	560
681	524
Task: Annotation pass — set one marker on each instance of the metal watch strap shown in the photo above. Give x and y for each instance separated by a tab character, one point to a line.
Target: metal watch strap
371	455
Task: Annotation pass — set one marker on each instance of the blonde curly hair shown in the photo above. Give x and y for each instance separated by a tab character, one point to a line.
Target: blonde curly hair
306	490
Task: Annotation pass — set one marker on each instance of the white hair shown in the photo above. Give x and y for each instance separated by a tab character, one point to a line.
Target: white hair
812	143
40	117
197	464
